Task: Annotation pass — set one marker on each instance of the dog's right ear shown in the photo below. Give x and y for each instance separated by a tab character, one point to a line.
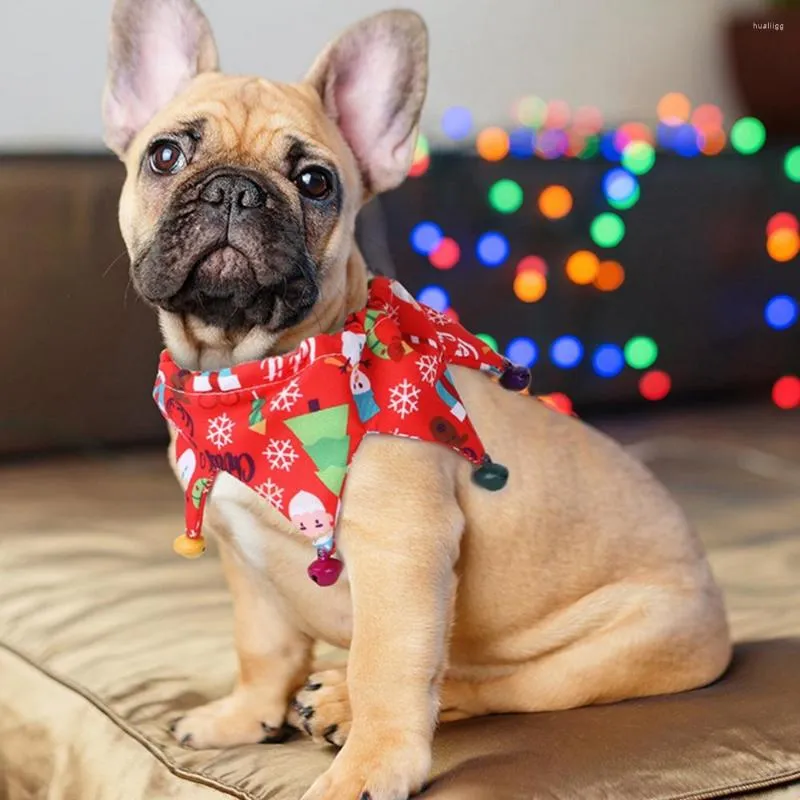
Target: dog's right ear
156	48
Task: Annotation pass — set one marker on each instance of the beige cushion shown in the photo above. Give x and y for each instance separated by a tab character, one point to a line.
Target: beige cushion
105	636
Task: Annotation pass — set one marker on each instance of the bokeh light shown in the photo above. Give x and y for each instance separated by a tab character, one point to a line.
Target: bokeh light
566	352
707	117
640	352
608	360
426	237
610	276
638	157
686	142
590	147
530	111
555	202
607	229
712	142
781	312
451	314
786	392
655	385
791	164
557	114
619	185
557	401
632	132
487	338
492	144
435	297
522	350
552	143
492	249
608	147
628	202
421	159
582	267
505	196
673	108
532	264
587	120
783	219
522	142
748	135
457	122
530	286
783	244
446	254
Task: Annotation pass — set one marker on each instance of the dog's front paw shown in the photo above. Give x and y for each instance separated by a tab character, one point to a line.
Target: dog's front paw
322	707
244	717
388	765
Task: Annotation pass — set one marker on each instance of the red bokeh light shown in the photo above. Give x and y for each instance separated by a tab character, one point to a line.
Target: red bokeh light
786	392
655	385
446	255
781	220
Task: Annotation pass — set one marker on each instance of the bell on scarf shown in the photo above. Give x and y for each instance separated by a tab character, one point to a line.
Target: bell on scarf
325	569
515	378
490	476
189	546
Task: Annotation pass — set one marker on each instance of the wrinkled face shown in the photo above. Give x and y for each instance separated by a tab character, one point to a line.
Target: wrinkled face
240	200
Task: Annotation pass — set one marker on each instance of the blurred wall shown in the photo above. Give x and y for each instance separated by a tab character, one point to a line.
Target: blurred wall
620	55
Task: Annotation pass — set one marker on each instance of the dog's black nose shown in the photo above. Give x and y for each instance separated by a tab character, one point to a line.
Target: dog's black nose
233	191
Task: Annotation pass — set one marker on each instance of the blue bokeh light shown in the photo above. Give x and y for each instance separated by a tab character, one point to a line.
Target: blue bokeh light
687	141
457	122
666	135
522	350
426	237
566	352
781	312
608	147
435	297
522	142
619	184
608	360
492	249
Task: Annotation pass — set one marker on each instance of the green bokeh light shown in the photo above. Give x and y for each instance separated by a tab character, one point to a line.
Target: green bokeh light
607	230
748	135
638	157
631	200
641	352
490	340
791	164
505	196
422	148
590	147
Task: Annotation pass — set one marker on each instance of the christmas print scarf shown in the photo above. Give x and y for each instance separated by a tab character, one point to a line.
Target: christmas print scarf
288	426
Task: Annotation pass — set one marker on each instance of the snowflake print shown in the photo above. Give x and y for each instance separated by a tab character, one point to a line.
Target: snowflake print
220	431
436	317
428	368
271	492
392	311
403	398
280	454
286	398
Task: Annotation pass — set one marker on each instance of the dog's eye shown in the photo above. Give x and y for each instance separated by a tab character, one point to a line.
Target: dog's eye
166	158
314	182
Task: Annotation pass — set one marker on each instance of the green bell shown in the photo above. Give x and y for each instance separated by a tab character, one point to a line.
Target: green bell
491	476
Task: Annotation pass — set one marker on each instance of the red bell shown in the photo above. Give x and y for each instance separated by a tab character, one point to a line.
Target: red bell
325	571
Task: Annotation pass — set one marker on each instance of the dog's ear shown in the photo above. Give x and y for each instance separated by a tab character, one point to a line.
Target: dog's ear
156	48
372	81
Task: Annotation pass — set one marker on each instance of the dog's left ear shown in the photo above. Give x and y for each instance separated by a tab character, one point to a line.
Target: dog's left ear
372	81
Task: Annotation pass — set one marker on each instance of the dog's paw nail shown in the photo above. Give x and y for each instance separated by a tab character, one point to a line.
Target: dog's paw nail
307	728
365	796
174	724
274	735
306	712
312	687
297	706
186	740
328	732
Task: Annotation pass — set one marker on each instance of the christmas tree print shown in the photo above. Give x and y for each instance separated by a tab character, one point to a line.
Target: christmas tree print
323	434
256	421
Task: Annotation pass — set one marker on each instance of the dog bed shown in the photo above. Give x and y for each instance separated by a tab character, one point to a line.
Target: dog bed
105	637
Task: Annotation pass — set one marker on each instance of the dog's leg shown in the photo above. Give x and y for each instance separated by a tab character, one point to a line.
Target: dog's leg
400	553
274	659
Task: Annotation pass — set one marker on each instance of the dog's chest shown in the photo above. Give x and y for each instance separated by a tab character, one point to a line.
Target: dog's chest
282	559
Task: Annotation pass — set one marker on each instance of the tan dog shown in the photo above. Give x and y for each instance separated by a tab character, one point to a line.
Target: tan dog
580	583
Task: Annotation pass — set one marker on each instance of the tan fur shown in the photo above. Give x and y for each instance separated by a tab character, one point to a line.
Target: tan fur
579	583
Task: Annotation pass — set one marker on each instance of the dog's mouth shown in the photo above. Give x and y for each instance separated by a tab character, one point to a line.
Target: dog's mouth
222	289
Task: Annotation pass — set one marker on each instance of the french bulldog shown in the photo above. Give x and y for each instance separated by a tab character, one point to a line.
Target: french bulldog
581	582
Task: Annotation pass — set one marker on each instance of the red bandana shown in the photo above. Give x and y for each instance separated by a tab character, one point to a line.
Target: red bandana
288	426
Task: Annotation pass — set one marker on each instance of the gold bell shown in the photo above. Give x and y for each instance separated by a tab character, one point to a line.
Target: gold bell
189	547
